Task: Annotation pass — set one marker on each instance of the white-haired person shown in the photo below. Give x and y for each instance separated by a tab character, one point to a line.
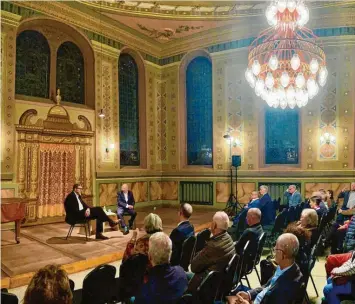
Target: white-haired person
285	285
217	252
165	284
152	224
293	196
266	206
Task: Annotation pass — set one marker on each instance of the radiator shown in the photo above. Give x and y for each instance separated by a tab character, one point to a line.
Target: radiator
197	193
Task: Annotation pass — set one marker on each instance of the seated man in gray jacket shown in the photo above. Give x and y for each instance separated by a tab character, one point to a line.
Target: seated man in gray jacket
216	254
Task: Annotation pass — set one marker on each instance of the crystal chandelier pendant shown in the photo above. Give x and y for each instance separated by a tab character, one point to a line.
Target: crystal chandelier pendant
286	63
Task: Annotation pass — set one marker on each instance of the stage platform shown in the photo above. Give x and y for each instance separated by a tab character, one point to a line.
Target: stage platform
46	244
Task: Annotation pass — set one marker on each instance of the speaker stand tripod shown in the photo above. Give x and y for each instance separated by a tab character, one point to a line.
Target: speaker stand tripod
232	204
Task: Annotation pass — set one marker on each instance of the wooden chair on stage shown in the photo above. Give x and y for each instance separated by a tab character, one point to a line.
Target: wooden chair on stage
82	223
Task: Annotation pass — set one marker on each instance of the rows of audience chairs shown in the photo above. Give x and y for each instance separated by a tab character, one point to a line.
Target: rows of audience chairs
100	285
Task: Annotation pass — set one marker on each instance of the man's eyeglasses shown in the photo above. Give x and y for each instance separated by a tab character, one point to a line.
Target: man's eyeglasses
80	188
274	249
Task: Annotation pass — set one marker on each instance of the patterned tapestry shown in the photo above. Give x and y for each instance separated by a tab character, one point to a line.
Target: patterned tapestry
281	136
129	111
70	73
199	111
56	178
32	64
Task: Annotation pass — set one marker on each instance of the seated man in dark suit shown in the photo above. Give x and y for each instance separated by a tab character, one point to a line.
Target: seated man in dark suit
253	203
285	285
165	283
252	233
183	230
254	200
125	203
266	206
77	210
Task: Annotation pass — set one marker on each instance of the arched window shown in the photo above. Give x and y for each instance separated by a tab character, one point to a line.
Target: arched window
199	111
70	73
32	64
129	111
281	136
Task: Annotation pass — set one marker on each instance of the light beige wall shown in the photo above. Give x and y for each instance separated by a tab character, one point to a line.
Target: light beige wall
236	106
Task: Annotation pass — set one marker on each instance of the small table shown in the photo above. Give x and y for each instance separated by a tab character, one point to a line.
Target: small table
13	210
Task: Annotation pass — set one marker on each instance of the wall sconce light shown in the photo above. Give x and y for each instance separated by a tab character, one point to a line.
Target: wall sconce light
101	113
111	147
230	140
327	138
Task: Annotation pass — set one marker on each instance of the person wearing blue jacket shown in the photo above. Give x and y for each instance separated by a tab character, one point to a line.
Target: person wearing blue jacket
165	283
267	208
293	196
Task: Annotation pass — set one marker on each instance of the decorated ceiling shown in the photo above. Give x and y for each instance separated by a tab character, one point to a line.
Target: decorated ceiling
166	21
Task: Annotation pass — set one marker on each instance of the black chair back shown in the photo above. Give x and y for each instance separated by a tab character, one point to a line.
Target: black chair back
241	265
99	285
322	222
242	221
299	209
207	291
261	243
132	273
331	214
201	239
71	284
8	298
291	214
186	252
280	221
227	278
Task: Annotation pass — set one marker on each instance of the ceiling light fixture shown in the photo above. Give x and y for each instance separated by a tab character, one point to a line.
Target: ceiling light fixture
286	66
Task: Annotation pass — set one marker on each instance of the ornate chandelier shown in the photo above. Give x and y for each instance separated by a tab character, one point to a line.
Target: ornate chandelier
285	64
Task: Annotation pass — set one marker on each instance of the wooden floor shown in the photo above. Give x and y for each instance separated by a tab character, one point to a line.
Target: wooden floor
46	244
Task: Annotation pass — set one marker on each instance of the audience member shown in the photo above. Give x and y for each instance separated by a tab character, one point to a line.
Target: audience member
286	282
349	197
125	204
348	203
350	236
309	221
267	208
253	232
77	210
183	230
166	284
330	198
336	260
315	203
152	224
339	282
338	233
323	195
49	285
253	203
293	196
217	252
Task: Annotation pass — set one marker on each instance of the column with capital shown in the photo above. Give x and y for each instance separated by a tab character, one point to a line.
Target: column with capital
87	170
77	164
34	170
21	170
